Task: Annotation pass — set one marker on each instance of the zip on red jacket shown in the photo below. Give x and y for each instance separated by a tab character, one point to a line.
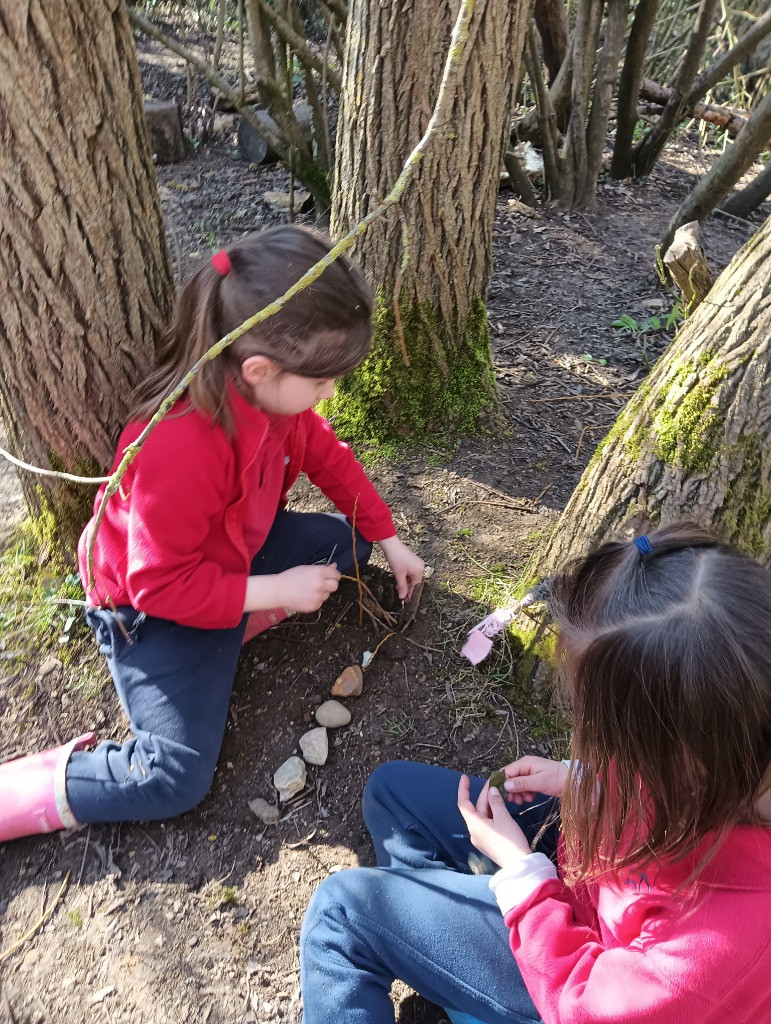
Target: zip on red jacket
171	543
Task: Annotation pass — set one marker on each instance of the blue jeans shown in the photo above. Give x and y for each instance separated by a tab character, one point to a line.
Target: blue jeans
420	916
174	683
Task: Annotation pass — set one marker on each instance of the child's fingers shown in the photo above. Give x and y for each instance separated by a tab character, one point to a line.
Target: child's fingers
483	804
465	805
523	766
497	804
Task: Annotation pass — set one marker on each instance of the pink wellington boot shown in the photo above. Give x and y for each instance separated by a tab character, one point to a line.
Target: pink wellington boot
261	620
33	798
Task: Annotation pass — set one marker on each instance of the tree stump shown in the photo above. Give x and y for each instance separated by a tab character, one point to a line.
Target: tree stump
164	126
686	262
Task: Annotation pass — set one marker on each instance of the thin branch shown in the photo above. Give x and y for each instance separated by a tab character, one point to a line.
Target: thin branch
220	34
444	102
744	46
338	7
546	114
298	44
53	472
38	924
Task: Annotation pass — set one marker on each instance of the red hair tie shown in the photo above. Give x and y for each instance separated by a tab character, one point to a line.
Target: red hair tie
221	263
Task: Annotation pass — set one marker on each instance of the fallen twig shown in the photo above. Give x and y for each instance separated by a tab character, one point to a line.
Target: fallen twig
38	924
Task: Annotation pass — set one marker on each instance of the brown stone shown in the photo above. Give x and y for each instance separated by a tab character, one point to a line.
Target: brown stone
349	683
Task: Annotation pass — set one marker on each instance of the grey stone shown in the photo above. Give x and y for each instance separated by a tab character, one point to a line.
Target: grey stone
289	779
265	812
333	714
315	746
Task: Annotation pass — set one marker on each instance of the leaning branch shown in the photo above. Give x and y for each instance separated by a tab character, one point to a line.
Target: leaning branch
445	99
299	45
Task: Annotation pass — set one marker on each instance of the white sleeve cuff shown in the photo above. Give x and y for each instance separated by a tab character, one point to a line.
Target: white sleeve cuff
512	885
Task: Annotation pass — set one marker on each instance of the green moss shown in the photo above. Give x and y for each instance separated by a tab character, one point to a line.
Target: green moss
39	598
686	426
61	509
747	506
446	389
682	426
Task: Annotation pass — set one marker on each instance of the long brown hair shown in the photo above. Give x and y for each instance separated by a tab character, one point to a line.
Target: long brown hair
323	331
666	661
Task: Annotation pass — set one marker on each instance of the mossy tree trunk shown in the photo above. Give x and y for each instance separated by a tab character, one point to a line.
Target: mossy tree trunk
430	367
87	279
695	441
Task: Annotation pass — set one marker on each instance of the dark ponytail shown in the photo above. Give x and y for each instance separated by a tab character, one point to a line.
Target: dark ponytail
667	667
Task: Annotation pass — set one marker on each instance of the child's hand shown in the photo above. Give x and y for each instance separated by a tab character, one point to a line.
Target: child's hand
490	826
406	566
531	775
304	588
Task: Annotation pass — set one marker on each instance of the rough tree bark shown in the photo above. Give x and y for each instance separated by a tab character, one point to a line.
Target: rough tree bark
83	255
430	367
695	440
616	16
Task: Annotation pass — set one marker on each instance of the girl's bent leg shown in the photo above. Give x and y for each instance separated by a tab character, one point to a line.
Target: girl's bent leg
309	538
439	931
174	683
411	811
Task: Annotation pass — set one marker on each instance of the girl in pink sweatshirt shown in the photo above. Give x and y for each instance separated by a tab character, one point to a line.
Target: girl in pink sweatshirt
634	881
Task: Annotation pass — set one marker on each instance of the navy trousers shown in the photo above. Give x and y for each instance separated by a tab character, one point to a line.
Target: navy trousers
174	683
420	915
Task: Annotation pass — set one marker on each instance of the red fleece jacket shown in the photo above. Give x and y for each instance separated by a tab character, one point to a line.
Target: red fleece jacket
640	952
172	540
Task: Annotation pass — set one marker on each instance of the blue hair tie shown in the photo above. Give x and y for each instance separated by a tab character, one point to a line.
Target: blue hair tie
643	545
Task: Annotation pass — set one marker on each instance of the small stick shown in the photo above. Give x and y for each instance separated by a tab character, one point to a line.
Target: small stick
538	498
386	637
584	398
363	586
38	924
590	426
359	584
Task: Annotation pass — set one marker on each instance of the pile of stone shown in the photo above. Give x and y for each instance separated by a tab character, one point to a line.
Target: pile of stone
290	778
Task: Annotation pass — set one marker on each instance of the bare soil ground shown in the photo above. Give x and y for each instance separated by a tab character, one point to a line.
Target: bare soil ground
197	918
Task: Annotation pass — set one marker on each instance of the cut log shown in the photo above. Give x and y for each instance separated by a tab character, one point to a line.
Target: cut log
731	120
164	126
686	262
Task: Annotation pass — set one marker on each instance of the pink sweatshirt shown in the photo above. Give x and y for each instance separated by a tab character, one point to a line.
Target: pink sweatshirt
637	951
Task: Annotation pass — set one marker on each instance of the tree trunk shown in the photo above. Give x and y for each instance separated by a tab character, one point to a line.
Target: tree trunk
694	441
430	367
83	253
607	69
742	203
629	87
647	152
551	19
573	158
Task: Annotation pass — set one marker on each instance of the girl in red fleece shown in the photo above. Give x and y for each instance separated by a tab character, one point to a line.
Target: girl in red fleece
198	547
653	905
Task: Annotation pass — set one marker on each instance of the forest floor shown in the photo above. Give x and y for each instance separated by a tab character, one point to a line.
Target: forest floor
197	918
